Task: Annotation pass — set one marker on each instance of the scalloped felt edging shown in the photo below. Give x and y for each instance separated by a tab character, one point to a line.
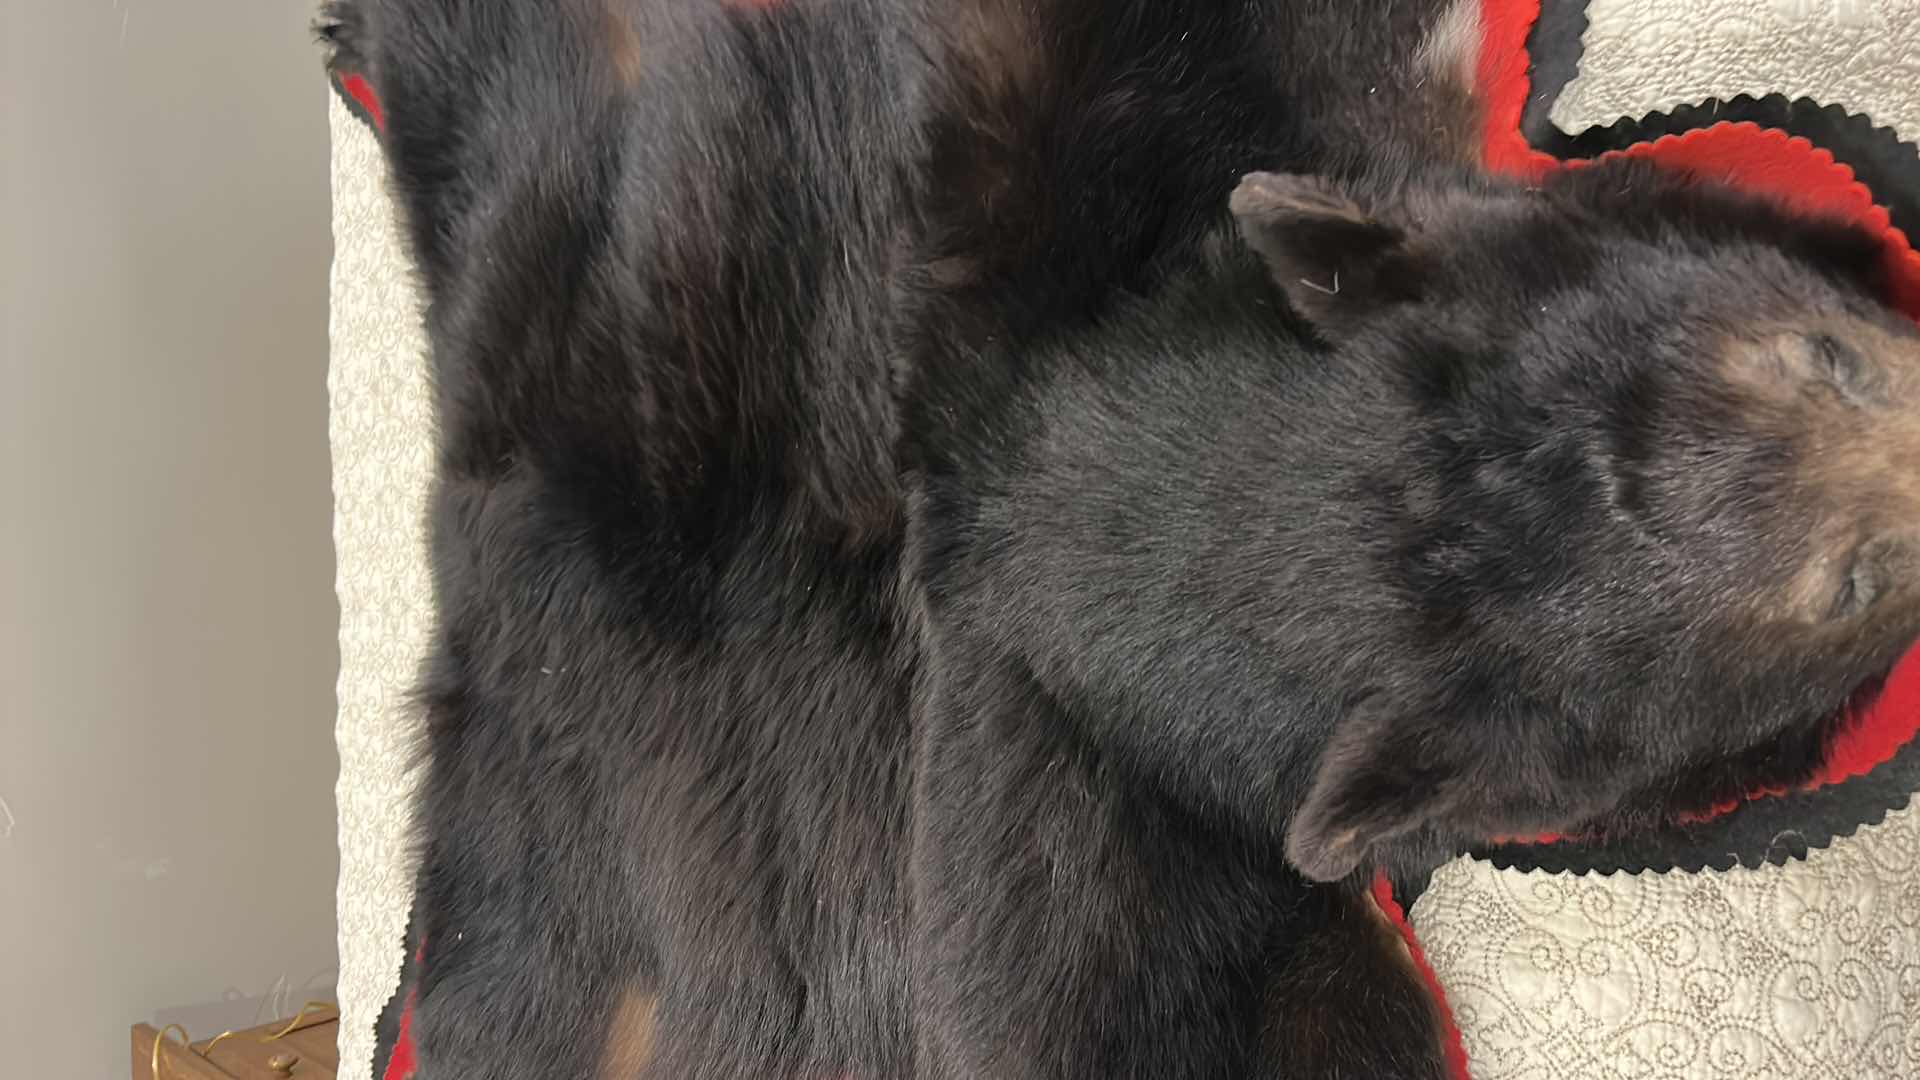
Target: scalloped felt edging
1886	163
1792	170
1764	832
1556	44
1805	177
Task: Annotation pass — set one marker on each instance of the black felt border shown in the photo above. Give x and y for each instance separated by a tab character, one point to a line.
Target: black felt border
1766	831
1888	165
1554	48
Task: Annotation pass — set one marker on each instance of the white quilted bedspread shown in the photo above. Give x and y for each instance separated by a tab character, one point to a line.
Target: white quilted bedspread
1643	55
381	427
1811	970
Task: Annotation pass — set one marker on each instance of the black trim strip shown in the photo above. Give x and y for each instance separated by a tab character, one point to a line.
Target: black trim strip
1554	49
1889	167
1767	831
1879	158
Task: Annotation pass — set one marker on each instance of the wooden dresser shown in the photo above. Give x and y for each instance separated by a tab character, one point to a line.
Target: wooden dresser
307	1052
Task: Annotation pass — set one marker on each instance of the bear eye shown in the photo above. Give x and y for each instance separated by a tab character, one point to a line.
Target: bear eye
1848	601
1836	362
1867	578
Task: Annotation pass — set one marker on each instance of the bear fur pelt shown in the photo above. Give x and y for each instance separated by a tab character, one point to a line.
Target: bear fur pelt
967	533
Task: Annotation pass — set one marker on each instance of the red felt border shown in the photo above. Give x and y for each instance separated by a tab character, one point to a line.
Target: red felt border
360	90
1452	1049
400	1061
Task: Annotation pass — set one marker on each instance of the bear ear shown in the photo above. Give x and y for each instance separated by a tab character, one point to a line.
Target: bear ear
1378	778
1335	262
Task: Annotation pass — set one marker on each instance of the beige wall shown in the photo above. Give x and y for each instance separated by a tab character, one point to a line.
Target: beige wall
166	611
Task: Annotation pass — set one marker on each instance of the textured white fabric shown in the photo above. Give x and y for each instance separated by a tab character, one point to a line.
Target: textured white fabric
1644	55
1806	971
381	430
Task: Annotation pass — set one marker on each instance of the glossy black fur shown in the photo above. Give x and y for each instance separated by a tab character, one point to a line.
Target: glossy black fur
916	585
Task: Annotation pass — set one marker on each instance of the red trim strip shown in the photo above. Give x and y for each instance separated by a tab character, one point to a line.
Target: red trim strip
1504	82
1454	1050
400	1062
361	91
